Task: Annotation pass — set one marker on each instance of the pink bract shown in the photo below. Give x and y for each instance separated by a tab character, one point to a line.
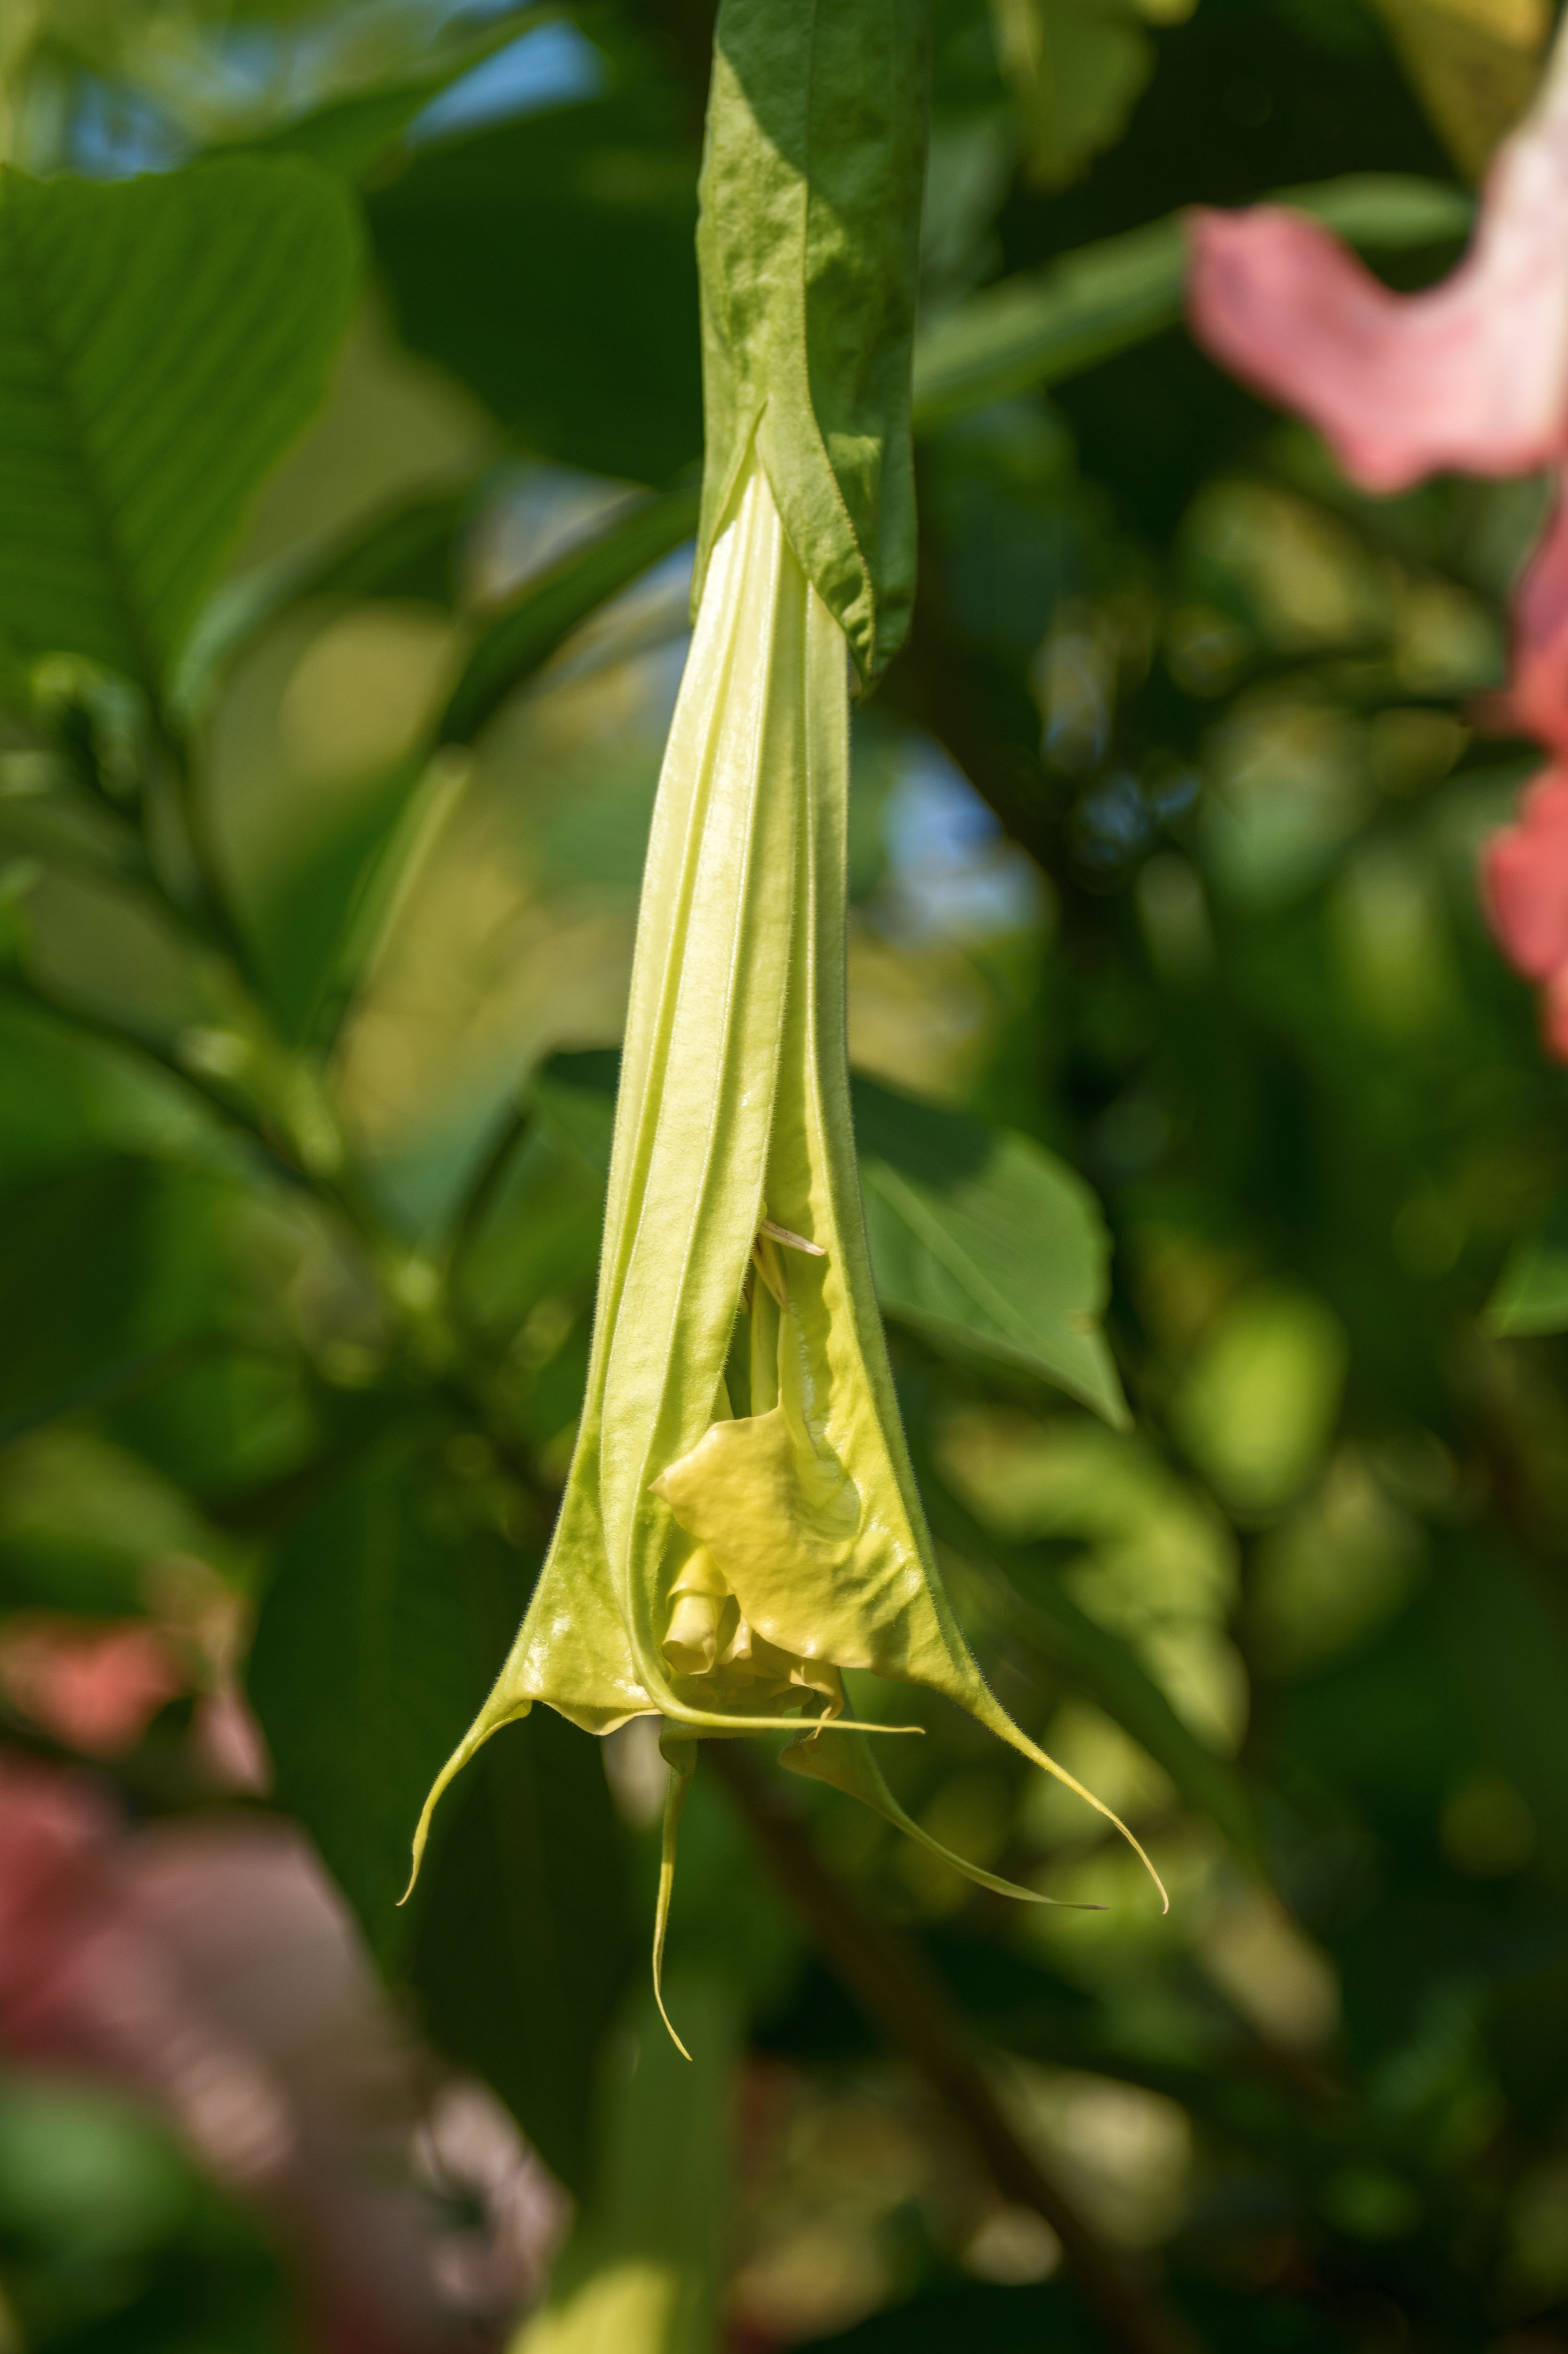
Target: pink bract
1472	374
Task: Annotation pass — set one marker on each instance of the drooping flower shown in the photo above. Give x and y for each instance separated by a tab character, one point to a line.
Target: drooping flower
1471	375
741	1523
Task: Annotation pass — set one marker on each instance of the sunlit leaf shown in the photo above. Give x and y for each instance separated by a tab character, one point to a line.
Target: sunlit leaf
163	339
984	1239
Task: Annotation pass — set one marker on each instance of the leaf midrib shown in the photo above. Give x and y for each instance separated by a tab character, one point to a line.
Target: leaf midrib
117	564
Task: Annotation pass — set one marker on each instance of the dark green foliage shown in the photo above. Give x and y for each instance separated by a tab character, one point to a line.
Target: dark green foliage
548	263
524	1943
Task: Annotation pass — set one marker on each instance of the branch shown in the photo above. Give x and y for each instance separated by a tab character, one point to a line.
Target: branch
901	1997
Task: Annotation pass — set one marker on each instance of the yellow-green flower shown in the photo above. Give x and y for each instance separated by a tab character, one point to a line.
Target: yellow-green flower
720	1561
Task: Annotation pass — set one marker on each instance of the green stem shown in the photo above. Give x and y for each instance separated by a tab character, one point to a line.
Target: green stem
904	2000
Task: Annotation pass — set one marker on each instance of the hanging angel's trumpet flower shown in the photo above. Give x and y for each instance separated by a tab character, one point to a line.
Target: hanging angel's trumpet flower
741	1523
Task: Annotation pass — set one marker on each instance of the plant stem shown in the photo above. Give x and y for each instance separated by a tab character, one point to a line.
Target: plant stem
902	1998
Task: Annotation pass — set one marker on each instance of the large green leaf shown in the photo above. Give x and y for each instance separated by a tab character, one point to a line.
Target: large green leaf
524	1945
982	1239
549	263
979	1238
365	1669
161	340
1044	325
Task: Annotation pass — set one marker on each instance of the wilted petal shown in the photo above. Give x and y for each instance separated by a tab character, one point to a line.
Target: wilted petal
1472	374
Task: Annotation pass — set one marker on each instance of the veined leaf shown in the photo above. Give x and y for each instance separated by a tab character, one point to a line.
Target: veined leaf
1045	326
982	1239
979	1238
161	340
365	1669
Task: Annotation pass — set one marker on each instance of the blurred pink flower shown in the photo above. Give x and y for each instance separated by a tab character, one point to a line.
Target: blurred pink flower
208	1962
1472	375
96	1688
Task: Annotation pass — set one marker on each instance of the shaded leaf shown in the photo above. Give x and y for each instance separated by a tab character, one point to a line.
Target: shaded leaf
983	1239
364	1671
1077	69
163	339
524	1946
554	328
544	612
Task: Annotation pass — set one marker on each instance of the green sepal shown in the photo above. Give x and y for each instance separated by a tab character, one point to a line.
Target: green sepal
809	248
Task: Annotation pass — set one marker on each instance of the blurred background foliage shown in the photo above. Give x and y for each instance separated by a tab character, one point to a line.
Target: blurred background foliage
347	501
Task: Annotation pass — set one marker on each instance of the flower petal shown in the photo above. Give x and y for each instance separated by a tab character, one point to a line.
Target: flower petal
1525	878
1472	374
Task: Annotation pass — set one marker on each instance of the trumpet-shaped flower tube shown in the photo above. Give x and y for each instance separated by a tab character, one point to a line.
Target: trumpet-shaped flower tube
719	1569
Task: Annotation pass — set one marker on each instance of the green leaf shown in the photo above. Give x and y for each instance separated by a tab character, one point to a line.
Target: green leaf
644	2266
161	339
353	136
1077	69
1532	1292
549	263
1017	1586
1045	326
406	551
327	919
545	611
523	1948
365	1669
982	1239
809	249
